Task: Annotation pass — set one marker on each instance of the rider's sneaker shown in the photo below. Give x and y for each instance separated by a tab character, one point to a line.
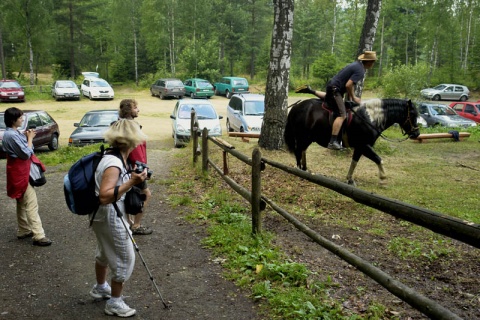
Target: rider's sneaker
335	146
118	308
101	293
304	89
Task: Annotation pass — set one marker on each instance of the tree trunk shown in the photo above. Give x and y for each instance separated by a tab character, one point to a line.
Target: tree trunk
276	97
71	44
2	57
368	34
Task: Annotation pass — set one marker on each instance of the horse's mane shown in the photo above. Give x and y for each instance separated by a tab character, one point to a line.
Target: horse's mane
381	111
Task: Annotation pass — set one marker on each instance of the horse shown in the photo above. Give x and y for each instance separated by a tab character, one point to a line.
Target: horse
311	121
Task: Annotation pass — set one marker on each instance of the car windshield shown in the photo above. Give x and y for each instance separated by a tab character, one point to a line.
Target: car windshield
66	84
98	119
203	84
204	111
99	83
240	82
173	84
254	107
9	85
442	111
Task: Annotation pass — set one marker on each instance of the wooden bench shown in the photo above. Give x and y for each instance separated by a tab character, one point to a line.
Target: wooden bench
244	135
425	136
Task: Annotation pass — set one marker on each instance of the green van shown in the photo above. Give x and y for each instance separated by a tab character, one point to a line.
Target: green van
227	86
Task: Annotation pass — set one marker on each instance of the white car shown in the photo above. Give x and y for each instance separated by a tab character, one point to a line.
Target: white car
96	88
181	115
245	112
65	89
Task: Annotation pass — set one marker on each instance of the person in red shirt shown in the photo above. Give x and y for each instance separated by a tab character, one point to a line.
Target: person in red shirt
129	110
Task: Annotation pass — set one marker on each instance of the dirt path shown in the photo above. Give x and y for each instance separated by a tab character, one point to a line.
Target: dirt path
53	282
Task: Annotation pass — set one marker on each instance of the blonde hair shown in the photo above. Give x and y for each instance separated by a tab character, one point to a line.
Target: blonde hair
124	133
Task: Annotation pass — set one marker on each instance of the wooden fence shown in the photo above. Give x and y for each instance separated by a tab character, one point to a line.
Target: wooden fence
454	228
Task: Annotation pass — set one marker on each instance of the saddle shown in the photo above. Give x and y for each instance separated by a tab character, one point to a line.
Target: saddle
333	113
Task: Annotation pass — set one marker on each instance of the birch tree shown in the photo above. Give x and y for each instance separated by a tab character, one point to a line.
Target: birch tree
276	97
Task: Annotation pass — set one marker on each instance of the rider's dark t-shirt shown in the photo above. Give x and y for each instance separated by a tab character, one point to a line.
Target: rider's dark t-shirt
353	71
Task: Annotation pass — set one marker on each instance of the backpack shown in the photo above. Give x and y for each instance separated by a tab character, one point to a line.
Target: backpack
79	184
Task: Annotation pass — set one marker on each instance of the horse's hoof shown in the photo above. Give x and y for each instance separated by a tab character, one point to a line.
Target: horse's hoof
383	183
352	183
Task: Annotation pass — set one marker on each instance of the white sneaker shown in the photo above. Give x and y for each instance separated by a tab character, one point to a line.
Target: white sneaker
119	309
101	293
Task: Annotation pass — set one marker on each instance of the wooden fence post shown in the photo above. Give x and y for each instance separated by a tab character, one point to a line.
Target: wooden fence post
205	149
256	191
193	134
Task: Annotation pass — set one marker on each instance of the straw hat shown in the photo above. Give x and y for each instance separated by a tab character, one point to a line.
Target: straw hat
368	56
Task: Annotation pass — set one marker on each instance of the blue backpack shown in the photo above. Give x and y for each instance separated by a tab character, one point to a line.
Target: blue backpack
79	184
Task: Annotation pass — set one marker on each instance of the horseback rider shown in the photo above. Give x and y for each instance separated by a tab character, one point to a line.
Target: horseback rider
343	82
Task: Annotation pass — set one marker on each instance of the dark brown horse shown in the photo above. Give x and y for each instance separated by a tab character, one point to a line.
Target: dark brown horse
310	121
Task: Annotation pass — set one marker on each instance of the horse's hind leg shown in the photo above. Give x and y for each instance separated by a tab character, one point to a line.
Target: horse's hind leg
304	160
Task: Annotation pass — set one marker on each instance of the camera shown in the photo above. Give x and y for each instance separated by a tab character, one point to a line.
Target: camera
142	166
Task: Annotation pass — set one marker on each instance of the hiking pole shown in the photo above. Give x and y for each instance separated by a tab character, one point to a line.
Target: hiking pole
120	215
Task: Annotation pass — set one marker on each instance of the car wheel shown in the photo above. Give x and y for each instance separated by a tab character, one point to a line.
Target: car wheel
176	141
90	95
436	97
228	94
151	92
229	128
216	92
241	129
463	98
53	145
161	96
180	97
192	95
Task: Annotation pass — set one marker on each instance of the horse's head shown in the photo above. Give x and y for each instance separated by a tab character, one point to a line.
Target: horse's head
410	127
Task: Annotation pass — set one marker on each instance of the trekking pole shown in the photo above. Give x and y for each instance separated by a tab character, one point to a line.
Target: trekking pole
120	215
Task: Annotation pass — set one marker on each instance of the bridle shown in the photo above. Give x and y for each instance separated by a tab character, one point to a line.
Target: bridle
409	121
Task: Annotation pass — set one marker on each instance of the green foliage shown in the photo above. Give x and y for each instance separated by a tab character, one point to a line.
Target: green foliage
404	81
324	68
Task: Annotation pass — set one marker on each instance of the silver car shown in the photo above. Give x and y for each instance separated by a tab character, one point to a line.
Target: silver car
169	87
91	128
446	92
442	115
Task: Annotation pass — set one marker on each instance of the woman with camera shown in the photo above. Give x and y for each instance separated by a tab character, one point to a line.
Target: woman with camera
115	250
19	149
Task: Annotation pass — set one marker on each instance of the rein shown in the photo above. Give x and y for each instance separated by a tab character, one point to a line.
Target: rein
380	133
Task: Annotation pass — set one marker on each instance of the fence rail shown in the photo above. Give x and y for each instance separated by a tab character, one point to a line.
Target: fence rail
464	231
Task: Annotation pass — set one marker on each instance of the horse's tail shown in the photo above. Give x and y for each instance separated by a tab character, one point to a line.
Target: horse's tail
292	122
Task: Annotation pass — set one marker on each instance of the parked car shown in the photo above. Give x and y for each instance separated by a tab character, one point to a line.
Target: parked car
245	112
442	115
446	92
198	88
181	118
169	87
45	126
91	128
96	88
469	110
91	74
65	89
227	86
11	90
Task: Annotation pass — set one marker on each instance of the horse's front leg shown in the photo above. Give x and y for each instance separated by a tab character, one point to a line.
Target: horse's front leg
370	154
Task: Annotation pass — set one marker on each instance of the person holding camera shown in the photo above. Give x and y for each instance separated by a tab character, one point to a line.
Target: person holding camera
129	110
115	249
19	149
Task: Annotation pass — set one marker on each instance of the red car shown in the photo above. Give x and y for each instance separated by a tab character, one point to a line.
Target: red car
45	126
470	110
10	90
